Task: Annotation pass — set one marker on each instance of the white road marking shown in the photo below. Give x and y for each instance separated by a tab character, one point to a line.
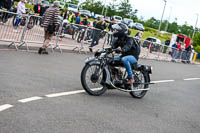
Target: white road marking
30	99
162	81
5	106
192	79
65	93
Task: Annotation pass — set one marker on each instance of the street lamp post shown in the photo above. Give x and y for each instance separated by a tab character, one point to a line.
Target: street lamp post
161	18
195	25
166	28
103	7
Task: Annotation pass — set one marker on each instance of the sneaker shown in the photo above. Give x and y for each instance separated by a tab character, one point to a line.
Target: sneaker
130	81
15	31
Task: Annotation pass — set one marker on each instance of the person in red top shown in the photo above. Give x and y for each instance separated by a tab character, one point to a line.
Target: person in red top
178	50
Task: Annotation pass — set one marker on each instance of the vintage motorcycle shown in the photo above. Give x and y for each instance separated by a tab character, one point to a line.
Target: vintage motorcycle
104	71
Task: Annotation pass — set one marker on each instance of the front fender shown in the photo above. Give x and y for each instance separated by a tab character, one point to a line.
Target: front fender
97	62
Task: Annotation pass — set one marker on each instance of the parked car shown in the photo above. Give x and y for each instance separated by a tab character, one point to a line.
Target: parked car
85	13
98	16
131	25
127	21
118	19
73	8
138	26
152	43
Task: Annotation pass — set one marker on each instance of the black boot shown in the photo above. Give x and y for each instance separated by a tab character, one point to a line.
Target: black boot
44	51
40	50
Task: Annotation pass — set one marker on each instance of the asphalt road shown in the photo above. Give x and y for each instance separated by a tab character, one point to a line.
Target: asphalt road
170	107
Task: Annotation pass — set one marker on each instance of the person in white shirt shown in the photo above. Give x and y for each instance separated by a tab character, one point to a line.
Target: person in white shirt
20	10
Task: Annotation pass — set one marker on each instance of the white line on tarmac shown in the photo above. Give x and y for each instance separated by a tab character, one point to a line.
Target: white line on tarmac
30	99
162	81
192	79
5	106
65	93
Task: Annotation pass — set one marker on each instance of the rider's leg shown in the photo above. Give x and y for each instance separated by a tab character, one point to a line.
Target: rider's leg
127	61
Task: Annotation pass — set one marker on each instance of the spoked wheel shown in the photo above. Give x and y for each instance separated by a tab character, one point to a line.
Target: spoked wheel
141	79
92	79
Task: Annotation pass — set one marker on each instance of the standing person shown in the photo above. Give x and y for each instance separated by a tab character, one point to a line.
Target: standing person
110	36
85	21
96	34
167	43
37	10
50	24
37	7
94	23
42	11
138	36
78	19
173	54
179	49
8	4
71	17
188	53
20	10
66	14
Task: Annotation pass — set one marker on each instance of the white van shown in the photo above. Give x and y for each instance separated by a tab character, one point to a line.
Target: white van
73	8
117	19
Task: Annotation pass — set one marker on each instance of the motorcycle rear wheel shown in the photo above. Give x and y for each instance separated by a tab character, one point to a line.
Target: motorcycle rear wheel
141	94
95	91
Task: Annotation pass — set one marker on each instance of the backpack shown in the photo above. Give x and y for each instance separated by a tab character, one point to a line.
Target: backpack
137	47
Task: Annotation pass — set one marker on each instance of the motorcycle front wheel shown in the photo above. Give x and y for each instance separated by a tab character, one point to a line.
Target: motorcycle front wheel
92	79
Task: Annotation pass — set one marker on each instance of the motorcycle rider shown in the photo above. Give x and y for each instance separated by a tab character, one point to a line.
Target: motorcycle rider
127	46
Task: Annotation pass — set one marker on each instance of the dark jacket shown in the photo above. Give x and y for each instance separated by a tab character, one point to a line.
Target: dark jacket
85	22
7	4
42	9
129	46
100	26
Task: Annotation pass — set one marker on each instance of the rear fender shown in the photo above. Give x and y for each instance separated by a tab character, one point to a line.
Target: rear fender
145	68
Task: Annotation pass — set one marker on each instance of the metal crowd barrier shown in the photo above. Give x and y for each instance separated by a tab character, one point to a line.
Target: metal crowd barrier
7	32
30	32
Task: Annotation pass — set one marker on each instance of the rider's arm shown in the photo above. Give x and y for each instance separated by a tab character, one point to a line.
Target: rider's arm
129	45
115	43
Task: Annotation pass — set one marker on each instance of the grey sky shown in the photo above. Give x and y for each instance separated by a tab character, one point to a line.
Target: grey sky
183	10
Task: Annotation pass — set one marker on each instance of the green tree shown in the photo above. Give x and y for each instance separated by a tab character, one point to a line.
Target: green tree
74	2
196	42
186	30
125	8
152	23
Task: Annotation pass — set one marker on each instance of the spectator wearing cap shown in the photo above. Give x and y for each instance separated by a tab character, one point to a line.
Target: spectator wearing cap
50	24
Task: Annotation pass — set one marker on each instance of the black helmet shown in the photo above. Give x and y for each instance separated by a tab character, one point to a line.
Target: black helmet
121	28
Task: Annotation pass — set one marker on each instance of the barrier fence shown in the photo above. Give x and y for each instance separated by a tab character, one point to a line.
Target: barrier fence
31	33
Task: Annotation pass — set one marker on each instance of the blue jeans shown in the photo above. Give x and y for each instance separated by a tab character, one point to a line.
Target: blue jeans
17	22
127	61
